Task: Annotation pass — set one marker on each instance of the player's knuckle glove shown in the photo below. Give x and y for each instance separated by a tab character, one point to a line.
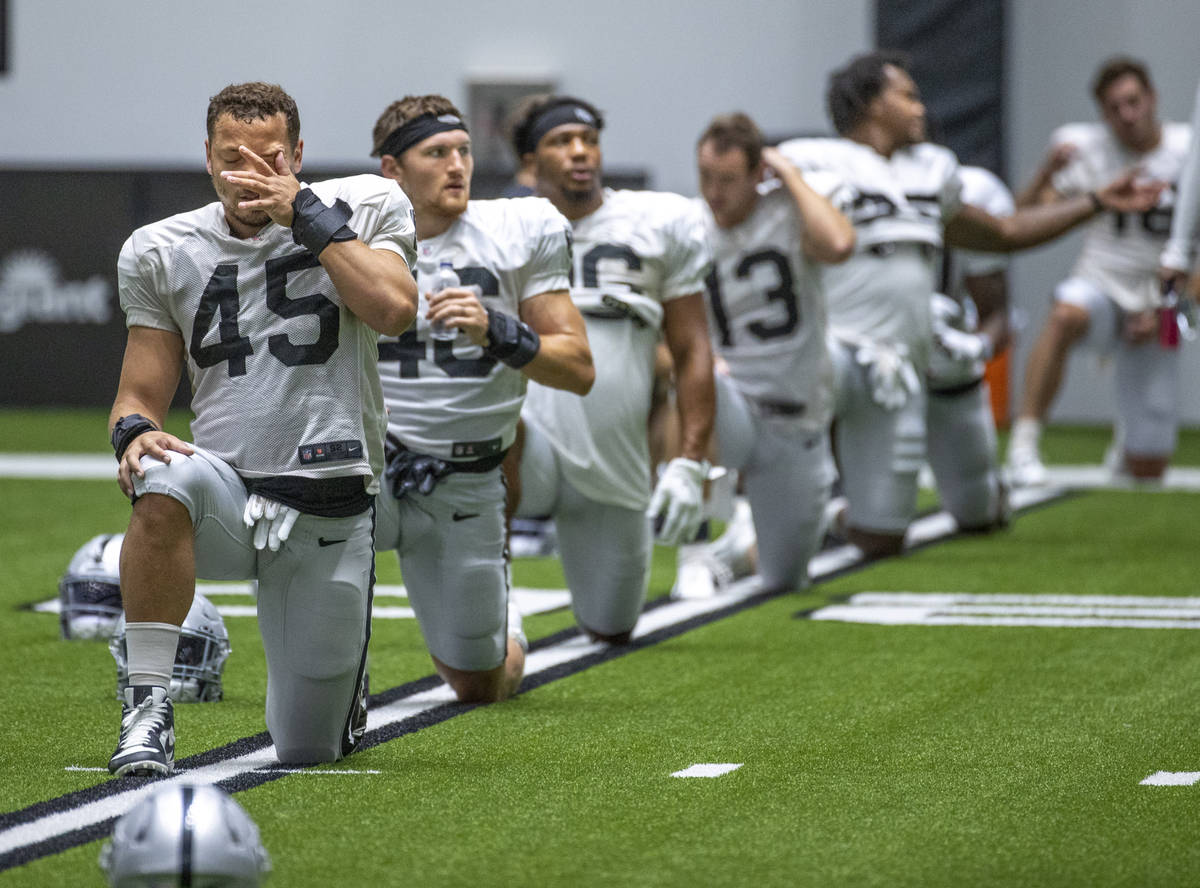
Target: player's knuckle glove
891	375
407	471
678	501
272	521
960	345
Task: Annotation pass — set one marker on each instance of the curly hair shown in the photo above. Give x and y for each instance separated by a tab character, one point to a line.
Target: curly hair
255	101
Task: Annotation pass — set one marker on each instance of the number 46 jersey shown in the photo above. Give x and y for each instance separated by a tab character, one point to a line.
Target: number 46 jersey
447	398
284	375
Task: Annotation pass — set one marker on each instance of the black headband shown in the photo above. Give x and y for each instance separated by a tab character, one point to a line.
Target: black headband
549	118
417	130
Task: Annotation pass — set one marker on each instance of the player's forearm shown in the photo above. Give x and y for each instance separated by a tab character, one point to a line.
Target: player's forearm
696	399
973	229
828	235
563	361
374	284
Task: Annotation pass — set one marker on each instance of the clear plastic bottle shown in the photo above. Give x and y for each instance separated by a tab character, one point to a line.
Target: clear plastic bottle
443	280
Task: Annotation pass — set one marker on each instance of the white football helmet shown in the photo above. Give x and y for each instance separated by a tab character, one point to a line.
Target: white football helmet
199	659
89	593
185	834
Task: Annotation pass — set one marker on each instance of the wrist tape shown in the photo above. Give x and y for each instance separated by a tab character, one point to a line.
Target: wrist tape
511	340
315	226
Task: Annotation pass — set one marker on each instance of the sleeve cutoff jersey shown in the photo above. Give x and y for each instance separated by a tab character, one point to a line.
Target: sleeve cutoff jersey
767	306
447	398
284	376
1121	250
639	250
899	206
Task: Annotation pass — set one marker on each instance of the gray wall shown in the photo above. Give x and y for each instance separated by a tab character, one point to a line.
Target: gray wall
126	83
1056	46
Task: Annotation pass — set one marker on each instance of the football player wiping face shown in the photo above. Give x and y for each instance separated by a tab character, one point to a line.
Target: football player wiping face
258	147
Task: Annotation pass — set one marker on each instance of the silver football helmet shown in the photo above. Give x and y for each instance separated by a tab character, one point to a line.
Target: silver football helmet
199	659
89	593
185	834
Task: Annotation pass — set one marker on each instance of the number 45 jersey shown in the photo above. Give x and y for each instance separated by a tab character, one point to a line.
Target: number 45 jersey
766	301
284	376
447	398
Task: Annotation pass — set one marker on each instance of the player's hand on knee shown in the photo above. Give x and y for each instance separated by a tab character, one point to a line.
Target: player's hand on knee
678	501
156	444
1140	326
272	521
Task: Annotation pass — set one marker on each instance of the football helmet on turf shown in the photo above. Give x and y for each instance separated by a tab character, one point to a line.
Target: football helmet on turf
199	659
185	834
89	593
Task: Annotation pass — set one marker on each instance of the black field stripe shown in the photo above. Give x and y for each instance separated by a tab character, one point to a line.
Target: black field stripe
185	840
410	725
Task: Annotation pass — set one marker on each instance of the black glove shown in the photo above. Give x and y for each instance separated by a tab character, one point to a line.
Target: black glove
407	470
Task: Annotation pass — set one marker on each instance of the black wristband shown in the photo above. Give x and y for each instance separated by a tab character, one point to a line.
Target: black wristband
511	340
127	428
315	225
1097	204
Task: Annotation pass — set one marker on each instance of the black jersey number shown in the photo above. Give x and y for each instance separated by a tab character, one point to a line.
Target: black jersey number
410	350
784	294
1155	221
221	295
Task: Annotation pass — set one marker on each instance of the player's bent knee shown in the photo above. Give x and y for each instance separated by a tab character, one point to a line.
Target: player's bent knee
1069	322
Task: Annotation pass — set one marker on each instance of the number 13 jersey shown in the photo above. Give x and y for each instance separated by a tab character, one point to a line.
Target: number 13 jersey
284	376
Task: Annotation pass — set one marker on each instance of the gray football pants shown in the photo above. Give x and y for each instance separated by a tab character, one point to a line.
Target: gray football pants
785	465
314	602
605	549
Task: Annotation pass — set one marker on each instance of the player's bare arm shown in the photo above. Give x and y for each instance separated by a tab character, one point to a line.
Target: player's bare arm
828	234
685	327
1041	190
565	359
975	229
149	375
376	285
989	292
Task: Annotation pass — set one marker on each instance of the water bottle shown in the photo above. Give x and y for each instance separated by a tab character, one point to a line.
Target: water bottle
444	279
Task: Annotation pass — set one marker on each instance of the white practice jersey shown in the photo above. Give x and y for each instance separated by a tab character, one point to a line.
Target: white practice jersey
1120	250
766	305
639	250
899	207
1180	251
984	189
449	399
284	376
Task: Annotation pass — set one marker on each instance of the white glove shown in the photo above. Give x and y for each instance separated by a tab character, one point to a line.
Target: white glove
961	346
272	521
678	500
889	372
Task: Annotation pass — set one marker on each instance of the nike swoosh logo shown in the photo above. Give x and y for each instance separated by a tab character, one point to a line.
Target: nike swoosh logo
463	516
322	542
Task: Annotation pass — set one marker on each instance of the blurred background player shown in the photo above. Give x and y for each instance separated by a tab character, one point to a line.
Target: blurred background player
767	326
1110	302
906	201
639	266
970	325
1178	258
453	405
273	296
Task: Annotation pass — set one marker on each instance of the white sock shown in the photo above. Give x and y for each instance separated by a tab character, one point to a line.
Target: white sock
1026	432
150	651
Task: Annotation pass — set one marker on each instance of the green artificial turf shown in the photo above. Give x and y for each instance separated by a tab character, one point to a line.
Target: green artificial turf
871	755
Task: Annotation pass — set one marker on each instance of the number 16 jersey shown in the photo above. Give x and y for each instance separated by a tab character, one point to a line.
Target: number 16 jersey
284	376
